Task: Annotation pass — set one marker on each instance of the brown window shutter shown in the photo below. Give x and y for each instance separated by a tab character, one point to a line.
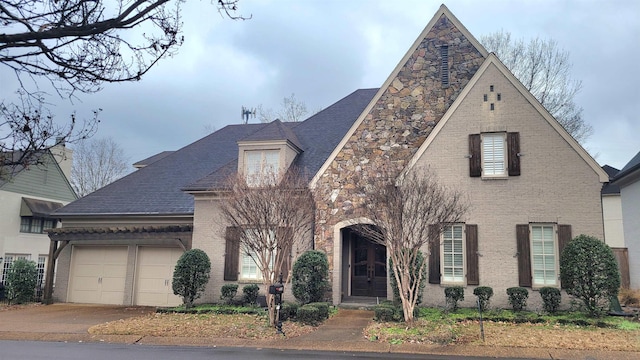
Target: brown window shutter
475	164
434	256
473	276
564	236
282	236
513	151
231	254
524	255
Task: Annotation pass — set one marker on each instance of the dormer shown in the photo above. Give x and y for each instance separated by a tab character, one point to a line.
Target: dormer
267	152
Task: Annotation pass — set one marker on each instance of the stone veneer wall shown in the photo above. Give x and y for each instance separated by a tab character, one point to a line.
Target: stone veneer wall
396	126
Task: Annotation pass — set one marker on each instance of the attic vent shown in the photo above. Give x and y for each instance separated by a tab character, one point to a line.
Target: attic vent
444	66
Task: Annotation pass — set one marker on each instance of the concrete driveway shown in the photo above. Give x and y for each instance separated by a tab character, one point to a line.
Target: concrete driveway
63	318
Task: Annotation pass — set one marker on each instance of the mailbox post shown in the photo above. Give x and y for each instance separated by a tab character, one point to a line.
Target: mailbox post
277	290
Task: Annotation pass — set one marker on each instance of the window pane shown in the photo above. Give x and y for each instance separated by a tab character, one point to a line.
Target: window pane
25	224
493	154
543	250
452	254
36	226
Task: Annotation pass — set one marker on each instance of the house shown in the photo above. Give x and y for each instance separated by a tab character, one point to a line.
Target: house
628	179
613	224
28	198
448	105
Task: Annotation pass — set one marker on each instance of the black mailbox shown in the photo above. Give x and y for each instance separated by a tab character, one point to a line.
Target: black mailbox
276	289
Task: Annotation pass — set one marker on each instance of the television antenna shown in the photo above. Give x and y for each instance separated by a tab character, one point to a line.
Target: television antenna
247	113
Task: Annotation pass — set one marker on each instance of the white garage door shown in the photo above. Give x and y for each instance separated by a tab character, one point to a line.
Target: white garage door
154	276
98	274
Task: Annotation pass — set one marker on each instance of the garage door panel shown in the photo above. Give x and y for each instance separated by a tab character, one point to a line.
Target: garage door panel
154	276
98	274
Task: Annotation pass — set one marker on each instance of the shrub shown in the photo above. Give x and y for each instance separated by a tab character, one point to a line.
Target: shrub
228	292
551	298
309	277
251	292
21	281
288	311
191	275
518	297
453	294
323	309
309	315
484	294
385	313
588	271
418	262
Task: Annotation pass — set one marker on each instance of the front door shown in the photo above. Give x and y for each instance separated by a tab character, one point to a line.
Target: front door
369	270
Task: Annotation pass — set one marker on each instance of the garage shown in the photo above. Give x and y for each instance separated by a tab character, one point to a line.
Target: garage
154	274
98	274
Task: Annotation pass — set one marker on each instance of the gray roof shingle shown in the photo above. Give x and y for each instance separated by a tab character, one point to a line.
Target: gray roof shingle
159	188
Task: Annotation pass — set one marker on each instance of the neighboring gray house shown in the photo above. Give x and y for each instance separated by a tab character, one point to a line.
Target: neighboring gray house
449	105
27	200
628	179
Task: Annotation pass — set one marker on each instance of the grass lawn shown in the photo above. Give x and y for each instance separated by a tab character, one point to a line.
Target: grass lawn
565	330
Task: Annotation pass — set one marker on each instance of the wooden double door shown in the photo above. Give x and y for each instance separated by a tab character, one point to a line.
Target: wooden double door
369	268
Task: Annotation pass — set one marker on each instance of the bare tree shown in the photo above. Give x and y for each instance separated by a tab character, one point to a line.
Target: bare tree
97	163
409	212
77	46
272	216
28	128
291	110
544	69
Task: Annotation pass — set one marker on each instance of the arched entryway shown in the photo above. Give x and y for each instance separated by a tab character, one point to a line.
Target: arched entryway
364	270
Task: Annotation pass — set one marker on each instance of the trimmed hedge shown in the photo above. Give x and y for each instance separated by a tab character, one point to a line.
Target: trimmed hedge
228	292
251	292
518	297
484	294
453	294
309	314
551	299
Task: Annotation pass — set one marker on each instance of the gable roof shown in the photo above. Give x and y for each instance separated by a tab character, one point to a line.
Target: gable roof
318	136
492	59
275	130
29	181
629	171
443	11
162	187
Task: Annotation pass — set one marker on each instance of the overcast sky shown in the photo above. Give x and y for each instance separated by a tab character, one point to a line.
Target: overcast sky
322	50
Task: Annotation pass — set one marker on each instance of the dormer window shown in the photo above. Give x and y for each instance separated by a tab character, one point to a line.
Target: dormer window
261	166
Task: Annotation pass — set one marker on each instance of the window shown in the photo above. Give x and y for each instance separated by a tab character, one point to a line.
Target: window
538	249
452	254
454	259
249	269
8	261
261	166
543	255
29	224
494	155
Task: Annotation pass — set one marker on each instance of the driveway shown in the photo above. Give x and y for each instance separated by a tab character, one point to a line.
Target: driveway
63	318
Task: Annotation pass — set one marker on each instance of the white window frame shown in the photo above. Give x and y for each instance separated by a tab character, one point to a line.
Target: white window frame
257	173
7	261
449	255
249	269
494	159
544	255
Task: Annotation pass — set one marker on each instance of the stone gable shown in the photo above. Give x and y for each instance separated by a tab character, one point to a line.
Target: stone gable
396	126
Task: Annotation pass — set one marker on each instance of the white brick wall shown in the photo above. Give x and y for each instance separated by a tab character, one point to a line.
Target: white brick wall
556	185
